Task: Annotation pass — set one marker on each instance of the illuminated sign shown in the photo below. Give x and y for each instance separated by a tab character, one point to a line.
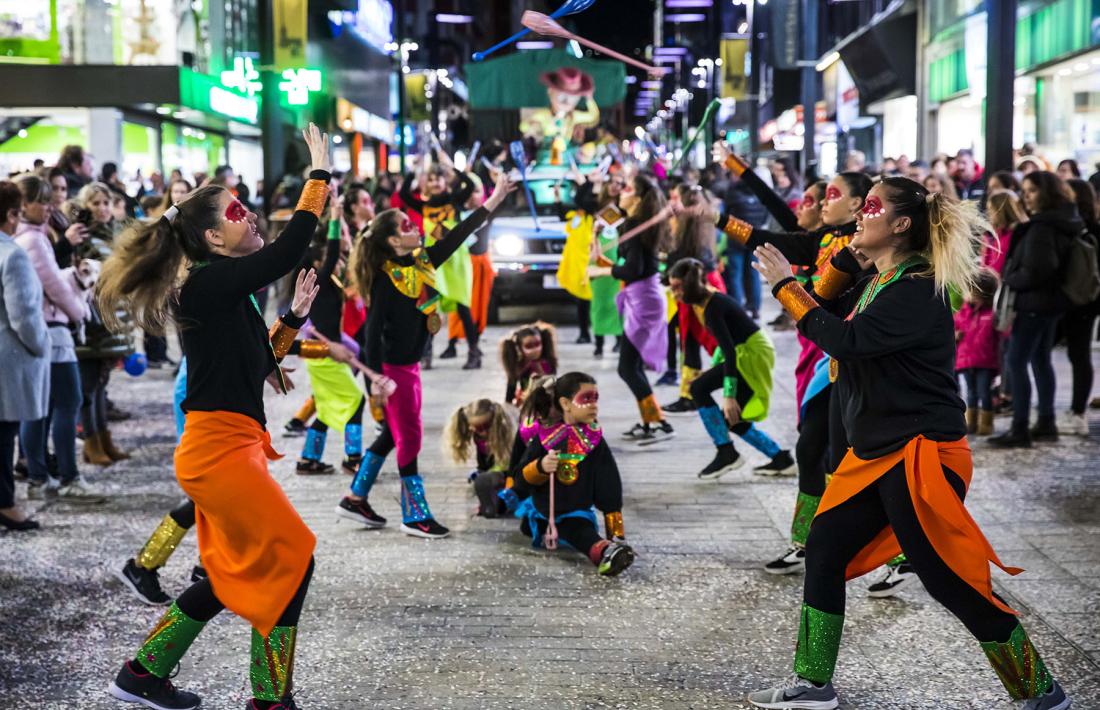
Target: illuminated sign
243	77
298	84
204	93
233	105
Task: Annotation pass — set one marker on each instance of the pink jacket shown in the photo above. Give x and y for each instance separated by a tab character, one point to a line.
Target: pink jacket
995	249
980	343
63	302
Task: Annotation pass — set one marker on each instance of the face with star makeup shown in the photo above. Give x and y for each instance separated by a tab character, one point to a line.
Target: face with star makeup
236	235
583	407
877	226
809	210
407	238
839	206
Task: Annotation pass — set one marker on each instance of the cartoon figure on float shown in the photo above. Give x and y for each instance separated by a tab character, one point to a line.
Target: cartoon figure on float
553	130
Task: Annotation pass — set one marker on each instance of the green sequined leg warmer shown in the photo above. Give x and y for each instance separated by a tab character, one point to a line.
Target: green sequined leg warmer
168	641
272	664
818	644
1018	665
805	508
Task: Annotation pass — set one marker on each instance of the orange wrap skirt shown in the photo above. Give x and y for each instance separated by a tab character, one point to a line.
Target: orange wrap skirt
253	544
482	292
954	535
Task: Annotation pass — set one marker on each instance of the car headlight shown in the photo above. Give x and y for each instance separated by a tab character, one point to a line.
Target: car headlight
508	245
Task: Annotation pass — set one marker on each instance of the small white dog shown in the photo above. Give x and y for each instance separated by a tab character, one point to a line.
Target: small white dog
82	279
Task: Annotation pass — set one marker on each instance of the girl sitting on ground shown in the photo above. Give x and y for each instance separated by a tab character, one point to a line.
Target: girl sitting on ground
485	424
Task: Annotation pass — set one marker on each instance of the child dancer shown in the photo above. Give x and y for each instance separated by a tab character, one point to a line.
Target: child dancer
605	317
643	306
531	425
336	394
256	549
743	372
901	485
978	348
584	474
469	320
529	352
394	272
486	425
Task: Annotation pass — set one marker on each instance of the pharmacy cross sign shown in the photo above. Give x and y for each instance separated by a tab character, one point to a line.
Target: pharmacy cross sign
298	84
243	77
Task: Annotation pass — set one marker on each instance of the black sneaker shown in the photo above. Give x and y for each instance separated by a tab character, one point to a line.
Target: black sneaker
450	353
790	562
892	581
429	529
618	345
782	465
286	703
669	379
636	431
654	433
146	689
583	339
360	512
681	406
1011	440
144	583
350	466
617	556
295	427
1044	431
726	459
598	353
198	573
309	467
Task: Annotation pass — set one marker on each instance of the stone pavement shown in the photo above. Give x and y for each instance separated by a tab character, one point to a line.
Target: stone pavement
482	621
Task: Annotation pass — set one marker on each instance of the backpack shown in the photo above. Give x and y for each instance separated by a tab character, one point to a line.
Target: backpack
1081	274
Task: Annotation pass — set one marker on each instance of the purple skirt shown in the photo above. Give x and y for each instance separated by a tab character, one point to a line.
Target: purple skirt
644	309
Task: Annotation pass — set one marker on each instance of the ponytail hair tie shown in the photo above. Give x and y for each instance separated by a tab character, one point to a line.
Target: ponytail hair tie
549	382
170	213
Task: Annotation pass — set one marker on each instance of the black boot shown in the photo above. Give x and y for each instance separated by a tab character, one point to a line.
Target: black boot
473	360
1012	439
451	352
1044	430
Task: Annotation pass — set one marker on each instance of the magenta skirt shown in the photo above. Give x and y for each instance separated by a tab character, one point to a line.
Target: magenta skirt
403	410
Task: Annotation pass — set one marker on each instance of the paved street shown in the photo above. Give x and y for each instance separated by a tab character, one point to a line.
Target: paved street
482	621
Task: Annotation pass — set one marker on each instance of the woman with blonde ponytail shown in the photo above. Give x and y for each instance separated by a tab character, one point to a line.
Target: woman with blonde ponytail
255	548
900	488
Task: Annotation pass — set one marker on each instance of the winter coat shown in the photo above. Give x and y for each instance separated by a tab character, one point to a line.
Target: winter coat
24	343
1033	269
62	303
995	249
979	343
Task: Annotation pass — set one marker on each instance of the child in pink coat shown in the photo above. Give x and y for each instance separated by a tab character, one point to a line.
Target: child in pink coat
977	356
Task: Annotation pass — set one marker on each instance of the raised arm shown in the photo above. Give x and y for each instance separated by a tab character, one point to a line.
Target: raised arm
452	240
771	201
406	194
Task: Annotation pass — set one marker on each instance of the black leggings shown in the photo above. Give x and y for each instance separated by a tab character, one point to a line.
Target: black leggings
94	374
714	379
1080	329
201	604
673	342
356	418
468	325
184	514
838	437
632	370
584	317
839	534
692	357
813	445
579	533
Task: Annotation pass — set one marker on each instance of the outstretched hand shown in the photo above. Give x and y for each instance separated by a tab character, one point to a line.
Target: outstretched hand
317	142
771	264
504	187
305	290
720	151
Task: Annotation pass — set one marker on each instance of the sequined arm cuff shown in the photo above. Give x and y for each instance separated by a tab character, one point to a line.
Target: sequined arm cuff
729	387
794	298
735	165
282	337
831	282
333	230
312	350
613	525
737	229
313	197
532	473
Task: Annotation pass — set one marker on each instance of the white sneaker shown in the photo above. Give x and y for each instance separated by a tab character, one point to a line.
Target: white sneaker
42	491
1075	424
80	491
796	694
893	579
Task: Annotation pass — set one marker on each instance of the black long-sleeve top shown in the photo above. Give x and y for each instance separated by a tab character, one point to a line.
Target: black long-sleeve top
637	262
730	325
773	203
597	484
897	367
226	340
396	330
457	197
327	311
586	198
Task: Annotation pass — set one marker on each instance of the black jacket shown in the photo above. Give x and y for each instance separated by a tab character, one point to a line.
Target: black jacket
1034	266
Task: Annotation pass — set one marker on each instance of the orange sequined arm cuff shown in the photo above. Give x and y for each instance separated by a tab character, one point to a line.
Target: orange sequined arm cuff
613	525
603	261
532	473
737	229
735	165
831	282
794	298
312	349
282	338
314	194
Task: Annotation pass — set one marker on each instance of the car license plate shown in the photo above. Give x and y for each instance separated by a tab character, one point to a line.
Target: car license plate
550	281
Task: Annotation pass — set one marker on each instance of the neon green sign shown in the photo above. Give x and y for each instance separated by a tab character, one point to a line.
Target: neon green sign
298	84
204	93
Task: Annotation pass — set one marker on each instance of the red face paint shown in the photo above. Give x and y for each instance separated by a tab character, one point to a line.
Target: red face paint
586	399
532	348
832	192
873	207
808	201
406	224
236	212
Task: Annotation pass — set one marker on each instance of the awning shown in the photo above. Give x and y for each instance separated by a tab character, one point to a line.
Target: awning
881	57
512	82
